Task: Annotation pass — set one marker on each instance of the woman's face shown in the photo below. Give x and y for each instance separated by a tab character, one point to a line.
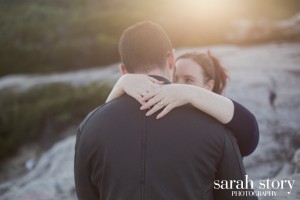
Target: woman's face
189	72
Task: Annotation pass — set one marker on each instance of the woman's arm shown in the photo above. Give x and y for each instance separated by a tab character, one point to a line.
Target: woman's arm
245	128
233	115
175	95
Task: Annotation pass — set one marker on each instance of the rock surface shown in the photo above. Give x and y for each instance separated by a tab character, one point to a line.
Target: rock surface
77	78
264	78
251	31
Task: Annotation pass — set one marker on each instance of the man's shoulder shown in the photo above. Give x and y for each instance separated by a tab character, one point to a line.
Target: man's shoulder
110	107
89	116
189	116
189	112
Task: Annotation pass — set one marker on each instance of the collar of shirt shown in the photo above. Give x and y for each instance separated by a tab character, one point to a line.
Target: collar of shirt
160	78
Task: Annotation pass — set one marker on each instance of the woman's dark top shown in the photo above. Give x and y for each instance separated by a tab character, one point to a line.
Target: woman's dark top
244	126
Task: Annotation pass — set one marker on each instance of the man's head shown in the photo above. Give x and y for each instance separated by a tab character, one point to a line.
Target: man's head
144	48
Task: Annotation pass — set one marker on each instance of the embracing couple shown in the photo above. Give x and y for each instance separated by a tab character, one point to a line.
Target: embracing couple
153	140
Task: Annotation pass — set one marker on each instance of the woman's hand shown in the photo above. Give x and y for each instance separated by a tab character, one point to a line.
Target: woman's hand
135	85
171	96
168	96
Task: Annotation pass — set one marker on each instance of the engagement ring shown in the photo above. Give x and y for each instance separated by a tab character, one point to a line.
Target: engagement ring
144	94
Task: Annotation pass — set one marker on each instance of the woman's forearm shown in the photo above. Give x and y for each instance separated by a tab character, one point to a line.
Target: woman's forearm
116	92
217	106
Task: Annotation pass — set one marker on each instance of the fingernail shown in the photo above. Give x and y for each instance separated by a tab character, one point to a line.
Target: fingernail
148	114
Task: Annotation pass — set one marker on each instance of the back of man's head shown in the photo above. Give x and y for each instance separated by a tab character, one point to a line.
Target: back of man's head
144	46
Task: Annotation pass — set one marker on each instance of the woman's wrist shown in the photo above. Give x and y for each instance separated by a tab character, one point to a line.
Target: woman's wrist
120	83
117	90
196	96
211	103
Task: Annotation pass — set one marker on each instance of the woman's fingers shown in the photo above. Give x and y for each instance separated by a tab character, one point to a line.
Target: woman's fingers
151	102
155	108
151	94
138	98
165	111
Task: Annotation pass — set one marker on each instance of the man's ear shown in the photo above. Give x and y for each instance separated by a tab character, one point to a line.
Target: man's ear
123	69
171	60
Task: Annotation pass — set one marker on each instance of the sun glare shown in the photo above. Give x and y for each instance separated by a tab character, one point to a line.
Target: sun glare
211	9
205	19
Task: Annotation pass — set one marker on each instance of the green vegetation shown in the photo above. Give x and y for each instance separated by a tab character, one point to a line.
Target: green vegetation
25	116
62	35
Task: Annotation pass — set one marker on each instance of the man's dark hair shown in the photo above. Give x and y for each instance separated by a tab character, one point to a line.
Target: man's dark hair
144	46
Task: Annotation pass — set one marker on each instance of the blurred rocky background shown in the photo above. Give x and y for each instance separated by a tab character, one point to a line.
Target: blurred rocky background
58	61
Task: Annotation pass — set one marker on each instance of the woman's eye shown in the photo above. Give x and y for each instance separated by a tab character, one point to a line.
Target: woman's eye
189	80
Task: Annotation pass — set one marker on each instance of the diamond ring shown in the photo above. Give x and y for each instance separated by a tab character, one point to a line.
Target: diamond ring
145	93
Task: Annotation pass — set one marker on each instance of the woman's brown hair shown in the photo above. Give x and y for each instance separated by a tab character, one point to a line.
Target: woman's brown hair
213	70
